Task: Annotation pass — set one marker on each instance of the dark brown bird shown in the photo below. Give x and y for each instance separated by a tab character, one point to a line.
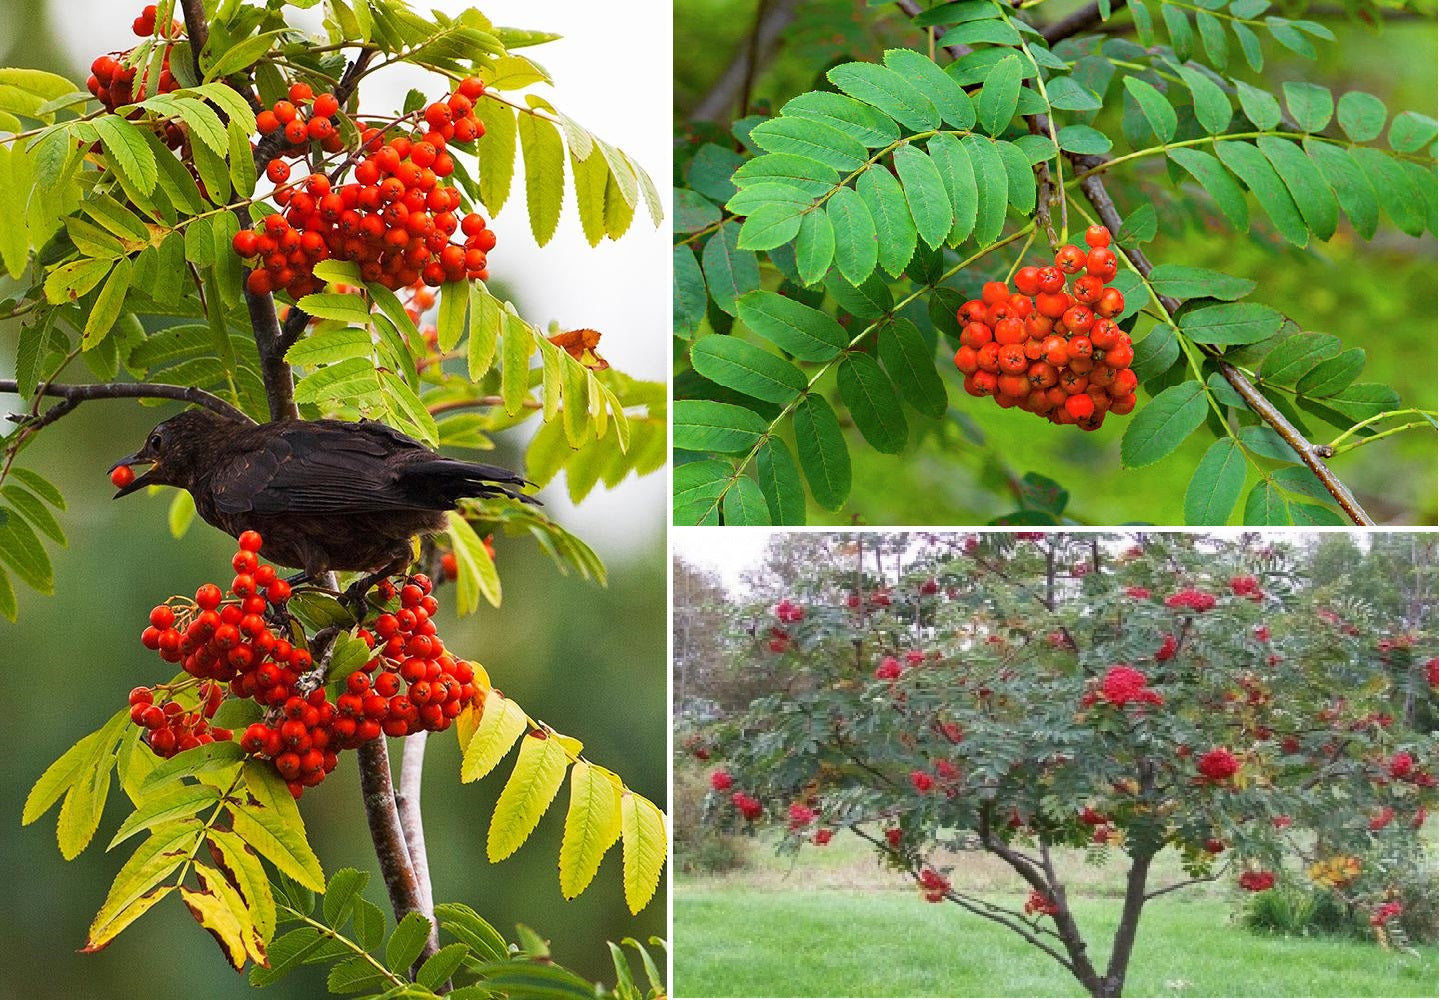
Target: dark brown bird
324	494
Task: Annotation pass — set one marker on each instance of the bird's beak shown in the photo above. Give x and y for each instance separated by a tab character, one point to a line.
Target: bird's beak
140	481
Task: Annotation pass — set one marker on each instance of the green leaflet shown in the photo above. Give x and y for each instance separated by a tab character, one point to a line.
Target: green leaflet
1231	323
959	178
1352	187
895	230
705	425
1184	282
1160	426
698	488
953	103
1310	105
811	176
991	188
128	151
1212	107
688	294
1219	184
816	243
794	327
912	365
888	90
1393	189
1361	115
1083	139
868	394
1216	484
811	140
997	104
855	231
738	365
1021	179
729	271
861	122
925	194
1313	196
1296	355
780	482
1157	110
745	504
822	451
1248	163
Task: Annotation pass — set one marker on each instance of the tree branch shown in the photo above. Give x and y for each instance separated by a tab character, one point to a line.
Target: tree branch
1072	24
1182	885
197	30
407	804
73	395
755	49
388	836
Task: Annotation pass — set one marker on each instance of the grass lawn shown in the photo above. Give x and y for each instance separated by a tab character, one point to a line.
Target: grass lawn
741	942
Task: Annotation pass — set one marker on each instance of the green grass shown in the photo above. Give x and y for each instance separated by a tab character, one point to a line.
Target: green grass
745	942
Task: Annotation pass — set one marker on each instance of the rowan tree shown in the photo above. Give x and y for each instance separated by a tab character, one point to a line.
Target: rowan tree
1022	695
218	216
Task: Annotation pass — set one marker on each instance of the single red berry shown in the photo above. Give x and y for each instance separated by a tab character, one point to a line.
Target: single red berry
1070	258
122	476
325	105
1098	236
300	93
278	171
208	596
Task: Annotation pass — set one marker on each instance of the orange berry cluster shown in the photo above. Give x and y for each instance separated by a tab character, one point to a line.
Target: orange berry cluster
395	217
1051	351
114	84
225	639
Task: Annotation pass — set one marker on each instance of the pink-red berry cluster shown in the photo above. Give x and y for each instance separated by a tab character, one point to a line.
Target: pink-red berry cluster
1122	686
1248	587
1191	599
790	613
396	217
747	805
933	885
225	639
1256	881
1385	913
721	780
1218	765
1038	904
1050	351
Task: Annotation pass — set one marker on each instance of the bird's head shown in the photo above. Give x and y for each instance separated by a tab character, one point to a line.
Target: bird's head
176	449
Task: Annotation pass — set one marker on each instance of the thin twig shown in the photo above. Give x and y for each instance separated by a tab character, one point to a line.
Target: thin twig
407	805
388	836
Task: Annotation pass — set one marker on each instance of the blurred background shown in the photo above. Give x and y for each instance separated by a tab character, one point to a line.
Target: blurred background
1380	296
72	658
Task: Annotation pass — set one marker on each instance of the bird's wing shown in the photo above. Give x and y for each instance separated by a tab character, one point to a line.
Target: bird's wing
319	467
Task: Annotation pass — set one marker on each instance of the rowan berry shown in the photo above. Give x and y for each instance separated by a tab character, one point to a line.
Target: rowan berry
1070	259
122	476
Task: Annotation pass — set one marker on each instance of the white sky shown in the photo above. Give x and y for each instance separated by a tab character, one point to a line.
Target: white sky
612	74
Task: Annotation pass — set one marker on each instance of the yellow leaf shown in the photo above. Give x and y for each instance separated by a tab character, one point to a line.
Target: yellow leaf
220	910
271	824
243	868
643	848
539	771
501	724
592	825
135	887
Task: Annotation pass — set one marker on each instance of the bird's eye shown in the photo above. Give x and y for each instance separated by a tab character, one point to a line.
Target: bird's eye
154	442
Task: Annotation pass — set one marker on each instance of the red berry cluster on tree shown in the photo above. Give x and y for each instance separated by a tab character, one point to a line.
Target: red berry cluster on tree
170	728
225	639
1054	352
789	612
395	217
1256	881
114	83
1122	686
1191	599
934	885
747	805
1038	904
721	780
1218	765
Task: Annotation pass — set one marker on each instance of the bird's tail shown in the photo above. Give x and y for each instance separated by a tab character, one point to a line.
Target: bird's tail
451	480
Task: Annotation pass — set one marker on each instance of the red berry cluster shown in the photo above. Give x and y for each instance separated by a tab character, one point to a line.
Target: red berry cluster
1256	881
934	885
789	612
170	728
300	129
1039	904
1248	587
721	780
1218	765
395	218
1170	645
224	639
1122	686
801	816
1052	352
114	84
1384	913
1192	599
747	805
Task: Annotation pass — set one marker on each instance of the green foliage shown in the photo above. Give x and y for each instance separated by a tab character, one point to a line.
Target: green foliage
892	182
349	935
